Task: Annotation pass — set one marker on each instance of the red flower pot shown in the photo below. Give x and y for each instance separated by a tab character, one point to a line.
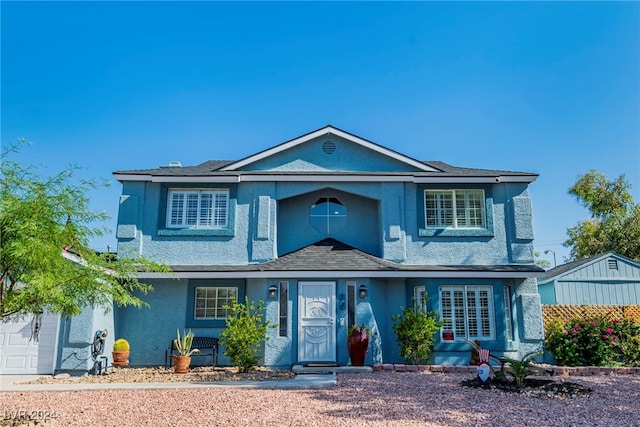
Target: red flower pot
358	342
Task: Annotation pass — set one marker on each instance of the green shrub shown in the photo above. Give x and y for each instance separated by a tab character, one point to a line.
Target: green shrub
245	331
594	341
415	331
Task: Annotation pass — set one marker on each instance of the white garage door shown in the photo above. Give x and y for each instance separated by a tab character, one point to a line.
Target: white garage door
21	355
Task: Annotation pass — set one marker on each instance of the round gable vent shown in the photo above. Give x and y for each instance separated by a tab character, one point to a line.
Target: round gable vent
329	147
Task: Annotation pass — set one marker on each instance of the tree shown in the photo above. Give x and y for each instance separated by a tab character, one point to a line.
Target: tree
615	218
542	263
46	263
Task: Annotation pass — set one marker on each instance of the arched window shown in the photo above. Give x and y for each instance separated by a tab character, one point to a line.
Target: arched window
327	215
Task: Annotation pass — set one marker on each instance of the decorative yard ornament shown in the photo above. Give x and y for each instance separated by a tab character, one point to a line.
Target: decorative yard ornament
483	369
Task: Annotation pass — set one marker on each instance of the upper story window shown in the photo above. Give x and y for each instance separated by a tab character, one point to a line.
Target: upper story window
198	209
327	215
454	209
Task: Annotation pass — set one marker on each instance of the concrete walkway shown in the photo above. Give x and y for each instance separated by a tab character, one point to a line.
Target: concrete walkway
11	383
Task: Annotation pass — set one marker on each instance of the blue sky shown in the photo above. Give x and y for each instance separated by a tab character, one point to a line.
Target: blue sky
544	87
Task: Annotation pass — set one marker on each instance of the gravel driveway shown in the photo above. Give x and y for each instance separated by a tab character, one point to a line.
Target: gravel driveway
377	399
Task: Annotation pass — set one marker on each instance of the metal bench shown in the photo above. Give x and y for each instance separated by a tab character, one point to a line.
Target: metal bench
208	347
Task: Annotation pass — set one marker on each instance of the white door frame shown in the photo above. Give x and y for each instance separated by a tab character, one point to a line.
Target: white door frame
317	321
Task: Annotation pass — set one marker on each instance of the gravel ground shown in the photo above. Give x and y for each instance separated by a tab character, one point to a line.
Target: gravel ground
166	375
377	399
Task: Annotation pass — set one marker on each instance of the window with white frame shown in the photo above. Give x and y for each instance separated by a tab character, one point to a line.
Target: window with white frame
198	209
454	209
468	311
210	302
420	297
507	312
283	308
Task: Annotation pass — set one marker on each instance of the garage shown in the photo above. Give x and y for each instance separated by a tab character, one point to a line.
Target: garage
22	355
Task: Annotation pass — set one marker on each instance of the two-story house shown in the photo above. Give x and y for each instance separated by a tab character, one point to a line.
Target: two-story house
330	229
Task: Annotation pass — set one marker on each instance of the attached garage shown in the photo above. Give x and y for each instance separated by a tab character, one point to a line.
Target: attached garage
22	355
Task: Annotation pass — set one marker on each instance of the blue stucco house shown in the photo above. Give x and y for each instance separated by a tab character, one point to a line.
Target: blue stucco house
330	229
605	279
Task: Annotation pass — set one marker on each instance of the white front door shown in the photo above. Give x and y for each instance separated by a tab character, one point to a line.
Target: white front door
316	322
20	354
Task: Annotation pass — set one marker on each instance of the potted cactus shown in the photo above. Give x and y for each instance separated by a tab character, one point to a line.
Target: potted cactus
183	346
120	352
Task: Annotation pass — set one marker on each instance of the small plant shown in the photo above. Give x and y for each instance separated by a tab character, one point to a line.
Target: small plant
183	344
246	329
121	345
359	328
521	369
415	332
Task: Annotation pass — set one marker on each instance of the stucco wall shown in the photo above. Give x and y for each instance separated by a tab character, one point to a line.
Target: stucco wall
76	336
384	219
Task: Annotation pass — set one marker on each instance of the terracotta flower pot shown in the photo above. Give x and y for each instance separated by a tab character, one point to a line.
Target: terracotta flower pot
120	358
358	342
181	364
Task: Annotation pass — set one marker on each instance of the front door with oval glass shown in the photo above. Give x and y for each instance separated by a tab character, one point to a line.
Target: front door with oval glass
316	322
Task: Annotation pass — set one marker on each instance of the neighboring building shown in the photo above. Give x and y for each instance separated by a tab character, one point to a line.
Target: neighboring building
330	229
606	279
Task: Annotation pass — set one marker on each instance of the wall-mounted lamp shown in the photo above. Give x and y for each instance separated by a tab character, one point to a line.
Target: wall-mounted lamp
273	292
362	292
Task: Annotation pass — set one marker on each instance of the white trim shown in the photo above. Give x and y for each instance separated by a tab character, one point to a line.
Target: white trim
328	130
339	274
226	179
131	177
474	179
217	289
454	209
213	192
252	177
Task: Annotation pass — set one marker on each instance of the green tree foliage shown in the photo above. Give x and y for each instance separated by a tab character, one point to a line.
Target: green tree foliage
615	218
542	263
246	329
46	263
415	331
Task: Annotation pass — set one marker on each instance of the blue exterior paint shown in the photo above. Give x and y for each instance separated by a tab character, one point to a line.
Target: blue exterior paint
595	283
75	340
271	218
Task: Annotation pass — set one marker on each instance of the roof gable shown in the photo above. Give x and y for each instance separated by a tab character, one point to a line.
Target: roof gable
327	141
587	267
325	155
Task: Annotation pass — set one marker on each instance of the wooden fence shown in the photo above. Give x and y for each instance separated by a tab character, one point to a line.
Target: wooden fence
569	312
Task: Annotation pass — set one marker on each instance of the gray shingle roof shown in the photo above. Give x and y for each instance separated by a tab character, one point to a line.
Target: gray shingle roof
565	268
211	168
328	254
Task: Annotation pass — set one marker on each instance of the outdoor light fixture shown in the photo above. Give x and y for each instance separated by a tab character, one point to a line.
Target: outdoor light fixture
555	264
363	292
273	292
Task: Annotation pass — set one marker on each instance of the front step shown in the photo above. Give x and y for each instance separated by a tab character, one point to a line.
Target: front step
300	369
